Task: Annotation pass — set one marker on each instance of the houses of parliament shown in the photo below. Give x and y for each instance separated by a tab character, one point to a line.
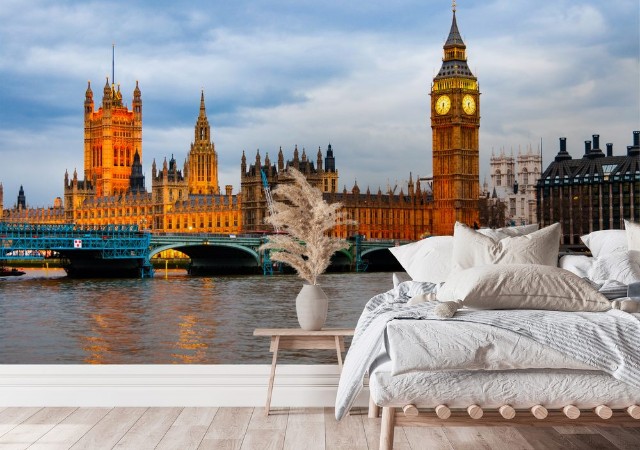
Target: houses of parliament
187	199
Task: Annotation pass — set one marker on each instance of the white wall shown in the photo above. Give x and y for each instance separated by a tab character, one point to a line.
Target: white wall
169	385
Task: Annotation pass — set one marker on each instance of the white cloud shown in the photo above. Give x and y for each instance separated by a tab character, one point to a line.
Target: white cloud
283	76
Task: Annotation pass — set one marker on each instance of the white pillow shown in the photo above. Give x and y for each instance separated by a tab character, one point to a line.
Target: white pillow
430	259
501	233
471	248
577	264
604	242
620	266
426	260
522	286
632	231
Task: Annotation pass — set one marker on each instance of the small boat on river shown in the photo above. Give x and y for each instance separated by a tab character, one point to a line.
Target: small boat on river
13	272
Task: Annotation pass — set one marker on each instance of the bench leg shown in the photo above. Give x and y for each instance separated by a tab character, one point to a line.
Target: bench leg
339	340
374	410
387	427
275	342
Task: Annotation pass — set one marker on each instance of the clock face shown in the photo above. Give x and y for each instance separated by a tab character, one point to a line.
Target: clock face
443	104
468	104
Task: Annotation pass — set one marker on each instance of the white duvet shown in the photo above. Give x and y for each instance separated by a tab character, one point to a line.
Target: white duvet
419	345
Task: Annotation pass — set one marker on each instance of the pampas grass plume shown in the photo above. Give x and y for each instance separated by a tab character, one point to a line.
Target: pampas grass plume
306	219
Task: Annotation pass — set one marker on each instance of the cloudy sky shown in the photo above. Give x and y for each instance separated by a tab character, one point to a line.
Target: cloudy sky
278	73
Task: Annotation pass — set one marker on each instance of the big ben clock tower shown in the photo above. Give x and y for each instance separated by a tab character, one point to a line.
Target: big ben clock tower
455	123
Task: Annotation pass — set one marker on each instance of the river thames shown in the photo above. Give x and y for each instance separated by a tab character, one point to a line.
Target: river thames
47	318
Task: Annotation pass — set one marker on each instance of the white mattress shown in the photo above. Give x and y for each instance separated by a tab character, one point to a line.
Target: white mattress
449	345
521	389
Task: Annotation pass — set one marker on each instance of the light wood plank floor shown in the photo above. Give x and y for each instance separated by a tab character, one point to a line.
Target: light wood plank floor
285	428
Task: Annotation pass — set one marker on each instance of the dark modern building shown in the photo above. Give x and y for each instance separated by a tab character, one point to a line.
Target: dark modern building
595	192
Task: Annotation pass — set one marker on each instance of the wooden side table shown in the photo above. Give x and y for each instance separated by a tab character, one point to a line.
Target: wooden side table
299	339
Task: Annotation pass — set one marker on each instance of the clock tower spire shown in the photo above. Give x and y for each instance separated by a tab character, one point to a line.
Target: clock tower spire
455	124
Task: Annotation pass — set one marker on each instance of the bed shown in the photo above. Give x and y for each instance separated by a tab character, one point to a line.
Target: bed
568	351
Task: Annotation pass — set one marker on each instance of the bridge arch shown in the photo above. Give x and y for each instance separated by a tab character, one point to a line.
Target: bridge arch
380	259
341	261
185	245
373	249
216	258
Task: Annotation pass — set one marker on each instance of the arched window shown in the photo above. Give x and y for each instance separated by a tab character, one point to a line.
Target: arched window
525	176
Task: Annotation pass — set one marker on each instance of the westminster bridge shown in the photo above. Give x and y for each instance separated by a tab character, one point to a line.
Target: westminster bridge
125	250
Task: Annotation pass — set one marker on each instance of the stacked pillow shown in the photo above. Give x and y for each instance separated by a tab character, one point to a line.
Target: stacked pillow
430	260
519	286
604	242
516	268
518	272
472	249
633	235
616	254
499	269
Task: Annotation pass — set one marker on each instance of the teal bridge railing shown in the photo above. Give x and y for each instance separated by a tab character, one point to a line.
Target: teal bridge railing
23	241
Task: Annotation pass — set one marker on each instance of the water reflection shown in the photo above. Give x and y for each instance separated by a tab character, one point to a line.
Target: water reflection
46	318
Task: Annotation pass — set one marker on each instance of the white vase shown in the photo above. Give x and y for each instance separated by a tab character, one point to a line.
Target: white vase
311	306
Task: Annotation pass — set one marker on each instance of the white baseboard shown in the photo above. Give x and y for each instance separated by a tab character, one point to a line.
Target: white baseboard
169	385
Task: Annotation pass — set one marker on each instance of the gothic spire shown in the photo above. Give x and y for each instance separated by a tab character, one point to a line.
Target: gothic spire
454	63
202	128
203	112
454	35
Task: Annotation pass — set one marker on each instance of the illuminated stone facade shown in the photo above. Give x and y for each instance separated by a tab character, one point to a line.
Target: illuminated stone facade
112	136
379	216
113	190
403	216
254	204
187	200
455	124
201	168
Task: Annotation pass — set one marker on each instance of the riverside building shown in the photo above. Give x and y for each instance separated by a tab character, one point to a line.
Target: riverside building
595	192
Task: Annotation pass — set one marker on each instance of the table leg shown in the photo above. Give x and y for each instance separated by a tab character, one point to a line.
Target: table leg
339	351
275	341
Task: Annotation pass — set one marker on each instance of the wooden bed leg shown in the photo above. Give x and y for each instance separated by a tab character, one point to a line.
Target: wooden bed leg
374	410
603	411
443	412
539	412
507	412
634	411
571	412
475	412
410	410
387	427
